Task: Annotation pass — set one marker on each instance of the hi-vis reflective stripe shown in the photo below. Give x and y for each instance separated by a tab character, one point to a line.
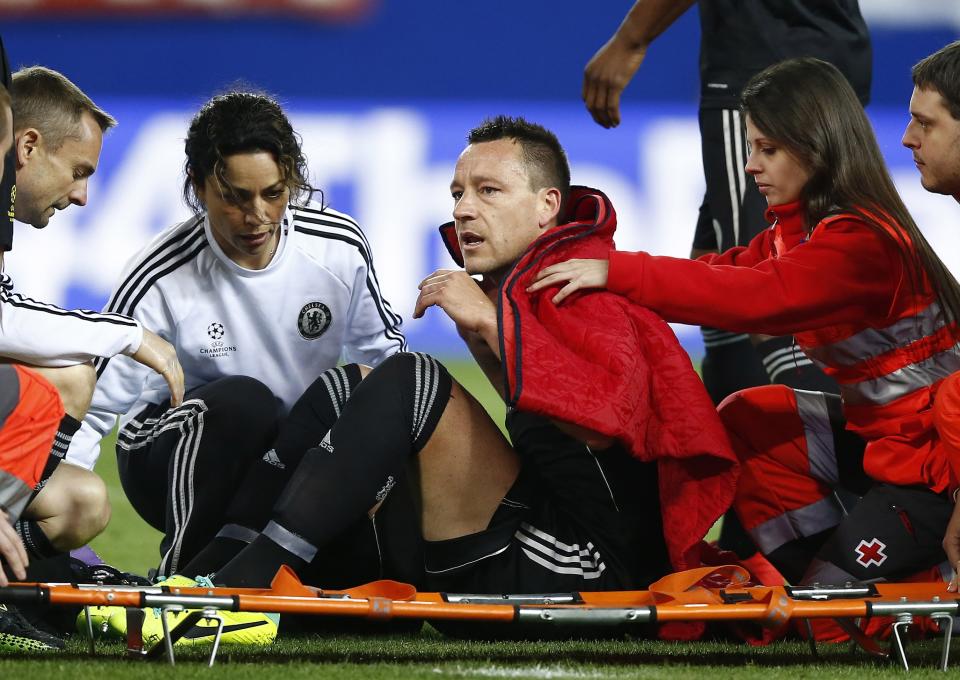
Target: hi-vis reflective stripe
902	382
818	434
793	524
14	495
873	342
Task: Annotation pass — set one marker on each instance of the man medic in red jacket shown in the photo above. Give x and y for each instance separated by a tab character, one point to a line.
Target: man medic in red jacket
933	135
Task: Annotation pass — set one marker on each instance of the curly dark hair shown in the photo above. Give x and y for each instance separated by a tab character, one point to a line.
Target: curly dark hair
242	122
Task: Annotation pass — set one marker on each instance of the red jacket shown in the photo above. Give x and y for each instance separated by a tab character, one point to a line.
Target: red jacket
856	311
606	364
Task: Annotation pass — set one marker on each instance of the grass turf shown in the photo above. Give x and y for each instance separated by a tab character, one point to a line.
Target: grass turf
429	655
132	545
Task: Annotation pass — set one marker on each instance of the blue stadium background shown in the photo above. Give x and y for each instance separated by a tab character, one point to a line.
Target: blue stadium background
383	100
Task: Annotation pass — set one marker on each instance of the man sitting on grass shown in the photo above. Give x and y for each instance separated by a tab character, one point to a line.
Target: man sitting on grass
618	463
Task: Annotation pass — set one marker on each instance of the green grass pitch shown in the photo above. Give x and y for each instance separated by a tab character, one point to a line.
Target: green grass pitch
132	545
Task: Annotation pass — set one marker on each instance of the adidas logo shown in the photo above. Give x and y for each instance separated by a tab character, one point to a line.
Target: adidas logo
273	459
325	443
382	493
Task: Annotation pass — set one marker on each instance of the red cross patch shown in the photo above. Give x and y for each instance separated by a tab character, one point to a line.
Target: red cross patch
871	553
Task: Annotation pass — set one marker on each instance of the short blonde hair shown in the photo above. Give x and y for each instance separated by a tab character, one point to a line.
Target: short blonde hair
46	100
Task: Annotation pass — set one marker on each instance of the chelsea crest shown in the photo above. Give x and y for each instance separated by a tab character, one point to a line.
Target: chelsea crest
314	320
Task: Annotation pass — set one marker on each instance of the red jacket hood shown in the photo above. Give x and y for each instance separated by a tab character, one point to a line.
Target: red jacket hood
604	363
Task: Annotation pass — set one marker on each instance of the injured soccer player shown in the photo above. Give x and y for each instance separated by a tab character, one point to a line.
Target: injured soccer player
616	465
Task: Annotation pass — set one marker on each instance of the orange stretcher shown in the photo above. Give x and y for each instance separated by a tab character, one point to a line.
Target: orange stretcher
706	594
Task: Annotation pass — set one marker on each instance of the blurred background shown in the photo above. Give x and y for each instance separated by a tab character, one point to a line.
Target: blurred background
383	92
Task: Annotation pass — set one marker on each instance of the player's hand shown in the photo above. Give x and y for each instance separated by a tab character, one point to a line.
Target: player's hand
606	76
577	273
951	546
158	354
12	551
461	298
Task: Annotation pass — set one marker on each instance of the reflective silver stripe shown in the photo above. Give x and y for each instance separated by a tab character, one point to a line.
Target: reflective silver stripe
903	381
237	533
14	495
290	542
812	408
9	391
873	342
793	524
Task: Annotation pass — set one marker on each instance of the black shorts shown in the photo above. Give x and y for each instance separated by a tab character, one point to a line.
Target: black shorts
573	520
732	212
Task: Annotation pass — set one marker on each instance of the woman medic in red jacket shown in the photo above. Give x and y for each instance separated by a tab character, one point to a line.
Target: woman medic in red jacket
833	489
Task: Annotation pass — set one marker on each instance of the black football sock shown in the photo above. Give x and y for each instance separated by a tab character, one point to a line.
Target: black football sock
787	365
390	417
221	549
730	363
311	417
34	540
68	427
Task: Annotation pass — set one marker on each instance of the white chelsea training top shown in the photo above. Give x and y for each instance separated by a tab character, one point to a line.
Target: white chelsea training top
316	302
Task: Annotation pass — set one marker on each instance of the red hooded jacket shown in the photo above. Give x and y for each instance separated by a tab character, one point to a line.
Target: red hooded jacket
609	365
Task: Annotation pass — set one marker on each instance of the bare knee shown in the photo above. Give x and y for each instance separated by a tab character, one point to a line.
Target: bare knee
72	508
464	470
75	385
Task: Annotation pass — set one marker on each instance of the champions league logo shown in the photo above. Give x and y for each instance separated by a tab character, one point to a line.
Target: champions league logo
314	320
218	348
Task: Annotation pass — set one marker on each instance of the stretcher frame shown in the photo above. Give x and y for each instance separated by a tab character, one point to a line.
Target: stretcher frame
388	600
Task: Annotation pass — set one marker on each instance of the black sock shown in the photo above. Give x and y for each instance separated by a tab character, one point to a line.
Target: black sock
311	417
223	548
390	417
787	365
68	427
34	540
257	564
730	363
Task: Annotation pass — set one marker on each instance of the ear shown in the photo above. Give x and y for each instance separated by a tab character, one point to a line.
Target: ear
549	209
28	143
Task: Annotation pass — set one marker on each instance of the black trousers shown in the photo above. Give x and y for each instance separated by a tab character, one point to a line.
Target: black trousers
180	467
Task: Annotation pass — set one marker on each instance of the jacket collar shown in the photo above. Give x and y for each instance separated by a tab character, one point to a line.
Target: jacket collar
788	215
